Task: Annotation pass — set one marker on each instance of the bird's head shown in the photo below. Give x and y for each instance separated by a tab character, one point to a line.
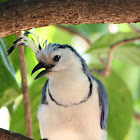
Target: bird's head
52	57
55	58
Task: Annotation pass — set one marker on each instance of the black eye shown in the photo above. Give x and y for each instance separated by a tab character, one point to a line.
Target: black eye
56	58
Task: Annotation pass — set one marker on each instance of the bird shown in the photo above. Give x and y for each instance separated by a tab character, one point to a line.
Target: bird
74	104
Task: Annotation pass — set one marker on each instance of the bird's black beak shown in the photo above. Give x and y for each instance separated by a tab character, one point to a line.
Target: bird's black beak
42	73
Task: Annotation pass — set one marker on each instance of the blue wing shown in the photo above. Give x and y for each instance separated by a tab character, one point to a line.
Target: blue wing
103	102
43	97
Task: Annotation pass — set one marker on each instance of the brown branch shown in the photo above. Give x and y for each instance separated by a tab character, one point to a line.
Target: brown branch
72	31
25	90
18	15
136	29
9	135
112	48
98	71
137	117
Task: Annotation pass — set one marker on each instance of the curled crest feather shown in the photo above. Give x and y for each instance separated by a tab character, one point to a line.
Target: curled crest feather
25	41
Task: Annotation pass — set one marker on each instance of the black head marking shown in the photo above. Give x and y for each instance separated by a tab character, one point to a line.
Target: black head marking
17	40
13	47
83	63
10	50
26	33
39	47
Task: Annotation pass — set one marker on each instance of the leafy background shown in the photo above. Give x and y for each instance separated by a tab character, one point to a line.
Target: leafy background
122	85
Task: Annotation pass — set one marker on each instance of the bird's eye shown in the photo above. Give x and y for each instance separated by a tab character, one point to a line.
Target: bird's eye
56	58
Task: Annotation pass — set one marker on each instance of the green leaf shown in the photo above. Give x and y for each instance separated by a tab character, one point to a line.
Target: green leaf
3	1
134	133
128	53
5	58
9	87
106	40
8	42
17	123
120	106
137	106
130	75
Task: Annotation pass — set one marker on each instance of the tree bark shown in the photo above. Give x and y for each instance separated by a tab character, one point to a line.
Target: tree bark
8	135
20	15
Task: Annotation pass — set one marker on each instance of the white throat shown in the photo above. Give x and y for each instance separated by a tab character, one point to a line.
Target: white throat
69	86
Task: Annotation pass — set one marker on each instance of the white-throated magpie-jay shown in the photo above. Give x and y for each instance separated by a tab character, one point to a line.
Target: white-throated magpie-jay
74	104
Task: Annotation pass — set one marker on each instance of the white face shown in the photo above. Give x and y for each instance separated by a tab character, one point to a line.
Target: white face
56	58
62	59
65	60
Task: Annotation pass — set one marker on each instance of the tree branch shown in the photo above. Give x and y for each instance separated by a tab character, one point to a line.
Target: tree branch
98	71
137	117
18	15
25	90
136	29
112	48
9	135
71	31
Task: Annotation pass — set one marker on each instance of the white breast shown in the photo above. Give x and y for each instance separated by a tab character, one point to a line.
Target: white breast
81	122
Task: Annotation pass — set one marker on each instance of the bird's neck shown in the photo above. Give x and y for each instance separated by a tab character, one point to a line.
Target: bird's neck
69	86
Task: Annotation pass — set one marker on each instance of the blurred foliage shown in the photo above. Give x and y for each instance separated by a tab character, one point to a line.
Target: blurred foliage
3	0
100	48
122	84
121	106
9	87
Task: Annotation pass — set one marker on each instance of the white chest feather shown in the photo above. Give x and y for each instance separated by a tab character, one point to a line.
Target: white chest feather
77	122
